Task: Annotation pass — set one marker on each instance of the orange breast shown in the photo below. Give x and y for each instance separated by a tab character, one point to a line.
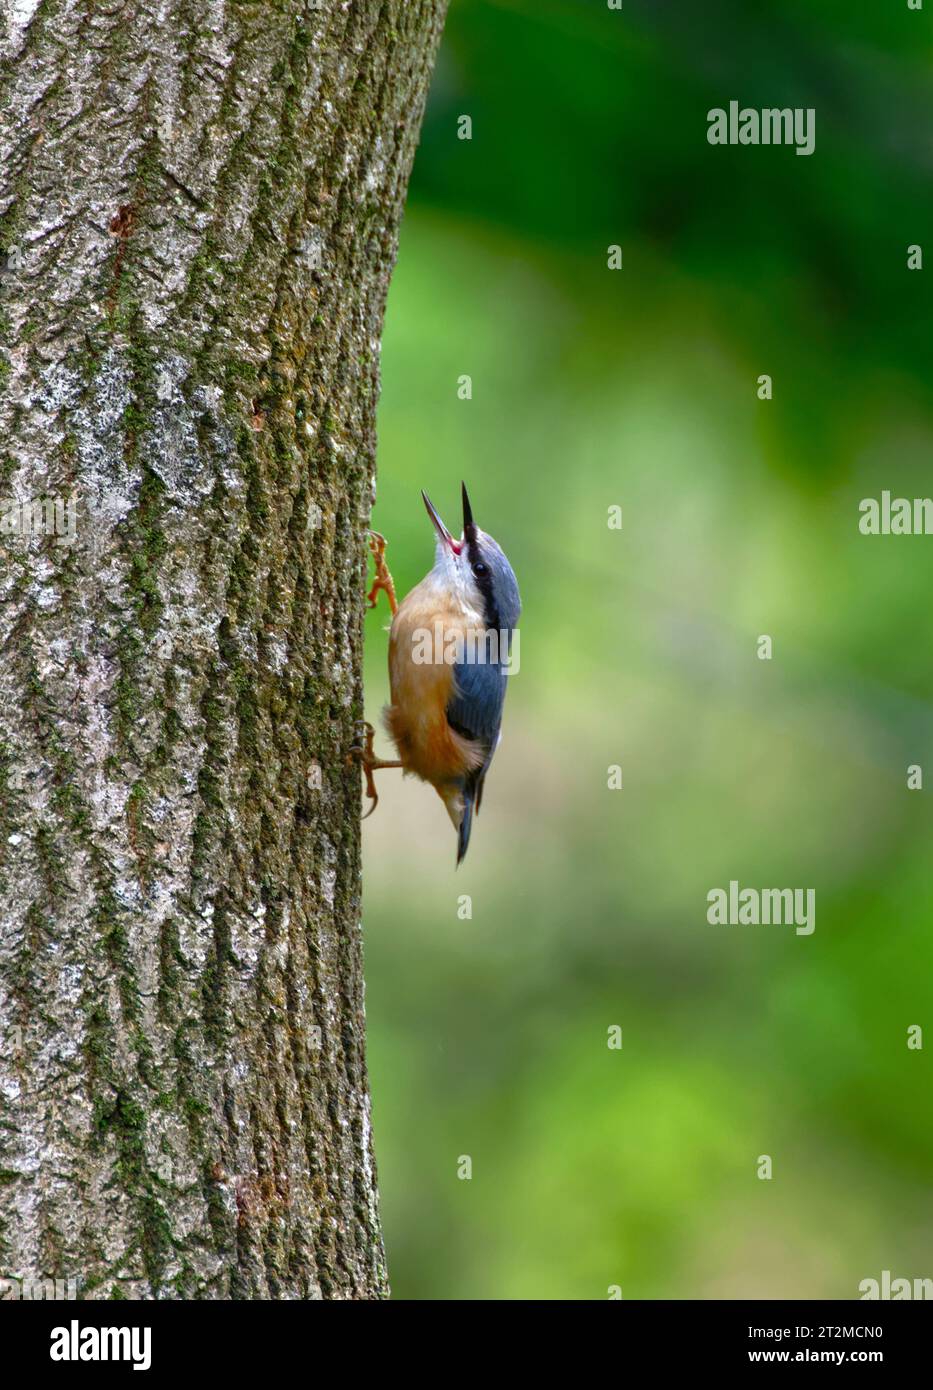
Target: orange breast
421	683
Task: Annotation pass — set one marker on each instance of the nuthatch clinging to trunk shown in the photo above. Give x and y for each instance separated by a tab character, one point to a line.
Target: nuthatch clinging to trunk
449	652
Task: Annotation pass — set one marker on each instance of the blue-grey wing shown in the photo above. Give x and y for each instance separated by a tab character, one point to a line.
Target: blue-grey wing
475	709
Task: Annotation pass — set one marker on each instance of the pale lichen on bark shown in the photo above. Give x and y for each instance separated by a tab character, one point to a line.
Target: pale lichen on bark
199	206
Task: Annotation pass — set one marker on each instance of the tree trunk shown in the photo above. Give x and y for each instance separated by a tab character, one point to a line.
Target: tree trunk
199	214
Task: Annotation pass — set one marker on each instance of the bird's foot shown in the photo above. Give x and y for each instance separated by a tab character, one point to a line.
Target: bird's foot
383	579
364	752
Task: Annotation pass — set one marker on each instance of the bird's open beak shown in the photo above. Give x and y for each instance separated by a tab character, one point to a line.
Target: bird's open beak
440	528
469	527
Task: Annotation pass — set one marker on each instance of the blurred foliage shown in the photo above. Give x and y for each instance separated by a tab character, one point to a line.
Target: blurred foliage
488	1036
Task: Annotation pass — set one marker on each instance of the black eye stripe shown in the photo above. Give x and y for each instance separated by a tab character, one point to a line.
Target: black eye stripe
484	584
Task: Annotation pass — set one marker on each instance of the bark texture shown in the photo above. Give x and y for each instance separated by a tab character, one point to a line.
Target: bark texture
198	217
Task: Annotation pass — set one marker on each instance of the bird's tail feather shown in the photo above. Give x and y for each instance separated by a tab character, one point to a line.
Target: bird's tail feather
466	825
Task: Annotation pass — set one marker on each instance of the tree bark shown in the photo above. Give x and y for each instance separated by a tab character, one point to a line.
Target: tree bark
199	211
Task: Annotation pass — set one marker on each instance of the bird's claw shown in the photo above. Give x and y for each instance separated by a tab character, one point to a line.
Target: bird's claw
364	752
383	580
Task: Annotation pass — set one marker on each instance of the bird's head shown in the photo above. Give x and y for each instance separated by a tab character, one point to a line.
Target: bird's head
476	568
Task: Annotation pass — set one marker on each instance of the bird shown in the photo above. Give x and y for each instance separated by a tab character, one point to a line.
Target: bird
450	648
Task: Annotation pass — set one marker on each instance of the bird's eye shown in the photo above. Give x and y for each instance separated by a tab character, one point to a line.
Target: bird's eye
480	569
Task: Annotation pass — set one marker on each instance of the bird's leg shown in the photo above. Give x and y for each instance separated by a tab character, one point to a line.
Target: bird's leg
383	579
364	749
370	763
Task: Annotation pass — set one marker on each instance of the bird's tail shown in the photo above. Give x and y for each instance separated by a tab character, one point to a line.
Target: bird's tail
460	801
466	825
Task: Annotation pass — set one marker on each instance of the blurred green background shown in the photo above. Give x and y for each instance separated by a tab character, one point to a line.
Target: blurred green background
638	388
